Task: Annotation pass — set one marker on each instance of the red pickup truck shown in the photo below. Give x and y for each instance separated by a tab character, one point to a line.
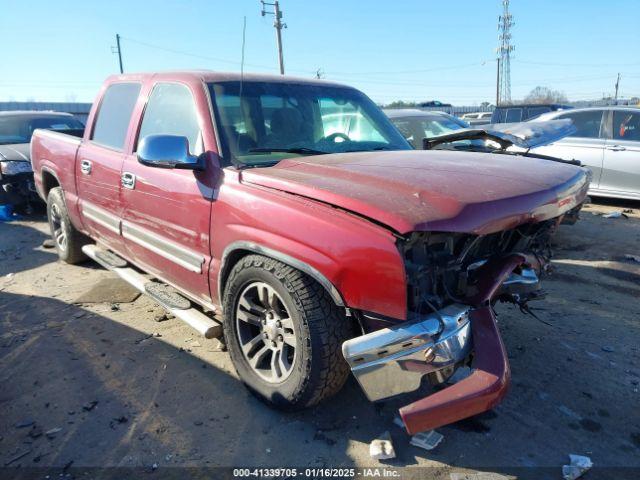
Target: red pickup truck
290	216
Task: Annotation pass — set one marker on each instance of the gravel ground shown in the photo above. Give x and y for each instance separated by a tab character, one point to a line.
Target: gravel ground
104	384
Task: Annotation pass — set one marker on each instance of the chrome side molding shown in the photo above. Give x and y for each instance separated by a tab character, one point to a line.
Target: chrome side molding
173	252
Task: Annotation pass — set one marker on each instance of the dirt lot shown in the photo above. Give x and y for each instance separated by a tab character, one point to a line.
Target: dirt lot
110	392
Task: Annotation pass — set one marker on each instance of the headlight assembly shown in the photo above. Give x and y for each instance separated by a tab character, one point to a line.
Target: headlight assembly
13	167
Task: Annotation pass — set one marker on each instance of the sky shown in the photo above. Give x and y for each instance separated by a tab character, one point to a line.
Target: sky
394	50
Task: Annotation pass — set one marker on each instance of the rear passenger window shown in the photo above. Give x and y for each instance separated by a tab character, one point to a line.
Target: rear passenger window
171	110
114	115
587	123
626	125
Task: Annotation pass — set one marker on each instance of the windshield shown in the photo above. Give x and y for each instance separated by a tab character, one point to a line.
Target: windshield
414	129
260	123
19	128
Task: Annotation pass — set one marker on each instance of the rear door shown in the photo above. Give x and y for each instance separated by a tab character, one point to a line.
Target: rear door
621	172
585	145
167	211
100	162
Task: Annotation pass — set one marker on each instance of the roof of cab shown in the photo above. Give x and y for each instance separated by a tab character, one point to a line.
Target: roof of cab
213	76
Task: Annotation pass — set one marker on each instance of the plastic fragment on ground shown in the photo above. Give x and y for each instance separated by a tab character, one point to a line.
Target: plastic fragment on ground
578	466
381	448
427	440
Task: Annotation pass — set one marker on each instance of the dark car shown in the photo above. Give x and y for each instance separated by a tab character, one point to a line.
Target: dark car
434	103
16	176
524	112
415	125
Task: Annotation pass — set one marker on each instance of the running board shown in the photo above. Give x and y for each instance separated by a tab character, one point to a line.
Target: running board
204	324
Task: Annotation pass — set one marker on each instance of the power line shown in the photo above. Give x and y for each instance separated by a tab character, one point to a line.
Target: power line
505	22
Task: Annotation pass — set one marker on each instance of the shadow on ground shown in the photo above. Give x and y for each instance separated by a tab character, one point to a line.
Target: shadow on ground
123	397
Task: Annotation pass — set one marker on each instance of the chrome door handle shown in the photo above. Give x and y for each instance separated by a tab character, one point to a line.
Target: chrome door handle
615	148
85	167
128	180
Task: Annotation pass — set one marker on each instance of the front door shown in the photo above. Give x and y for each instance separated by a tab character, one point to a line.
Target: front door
585	145
100	161
621	172
167	211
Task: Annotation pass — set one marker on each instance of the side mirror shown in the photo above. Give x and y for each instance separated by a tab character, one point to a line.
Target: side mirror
168	151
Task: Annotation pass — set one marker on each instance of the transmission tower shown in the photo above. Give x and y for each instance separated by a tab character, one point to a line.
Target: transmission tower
505	22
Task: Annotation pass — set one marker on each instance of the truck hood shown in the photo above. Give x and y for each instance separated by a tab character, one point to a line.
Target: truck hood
17	152
432	190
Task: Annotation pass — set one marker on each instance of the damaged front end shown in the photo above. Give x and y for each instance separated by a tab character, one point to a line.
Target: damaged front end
453	280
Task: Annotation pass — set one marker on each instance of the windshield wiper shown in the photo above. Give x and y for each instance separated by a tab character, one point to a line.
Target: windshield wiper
300	150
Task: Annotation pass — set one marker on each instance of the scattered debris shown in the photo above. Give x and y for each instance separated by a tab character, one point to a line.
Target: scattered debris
633	258
17	457
87	407
427	440
627	210
114	307
25	424
138	341
35	432
197	423
381	448
119	420
78	315
569	413
157	334
196	344
578	466
162	316
48	243
607	348
615	214
51	434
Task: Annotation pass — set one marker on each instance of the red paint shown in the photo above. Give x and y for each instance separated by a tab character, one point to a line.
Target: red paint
337	213
479	392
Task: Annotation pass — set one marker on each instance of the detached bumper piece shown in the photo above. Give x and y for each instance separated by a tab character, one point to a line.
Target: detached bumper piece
393	361
479	392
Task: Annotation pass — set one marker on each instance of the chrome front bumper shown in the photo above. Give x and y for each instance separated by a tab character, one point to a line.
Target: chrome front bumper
393	361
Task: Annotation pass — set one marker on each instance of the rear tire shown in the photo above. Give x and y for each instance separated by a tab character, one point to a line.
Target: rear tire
67	239
292	333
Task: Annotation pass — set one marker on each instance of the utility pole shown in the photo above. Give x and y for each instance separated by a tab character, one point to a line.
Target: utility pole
505	22
498	83
117	50
277	23
617	86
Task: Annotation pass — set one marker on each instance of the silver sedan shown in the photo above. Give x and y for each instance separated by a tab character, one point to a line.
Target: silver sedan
607	141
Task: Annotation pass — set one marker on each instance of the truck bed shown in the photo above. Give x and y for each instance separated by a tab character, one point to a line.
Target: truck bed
53	155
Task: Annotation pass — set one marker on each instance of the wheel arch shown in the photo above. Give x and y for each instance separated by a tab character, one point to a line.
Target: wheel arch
234	252
49	180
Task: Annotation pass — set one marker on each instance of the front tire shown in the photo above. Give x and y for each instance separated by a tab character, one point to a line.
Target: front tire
67	239
284	333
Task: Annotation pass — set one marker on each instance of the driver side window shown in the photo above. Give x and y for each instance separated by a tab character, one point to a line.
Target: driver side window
171	110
